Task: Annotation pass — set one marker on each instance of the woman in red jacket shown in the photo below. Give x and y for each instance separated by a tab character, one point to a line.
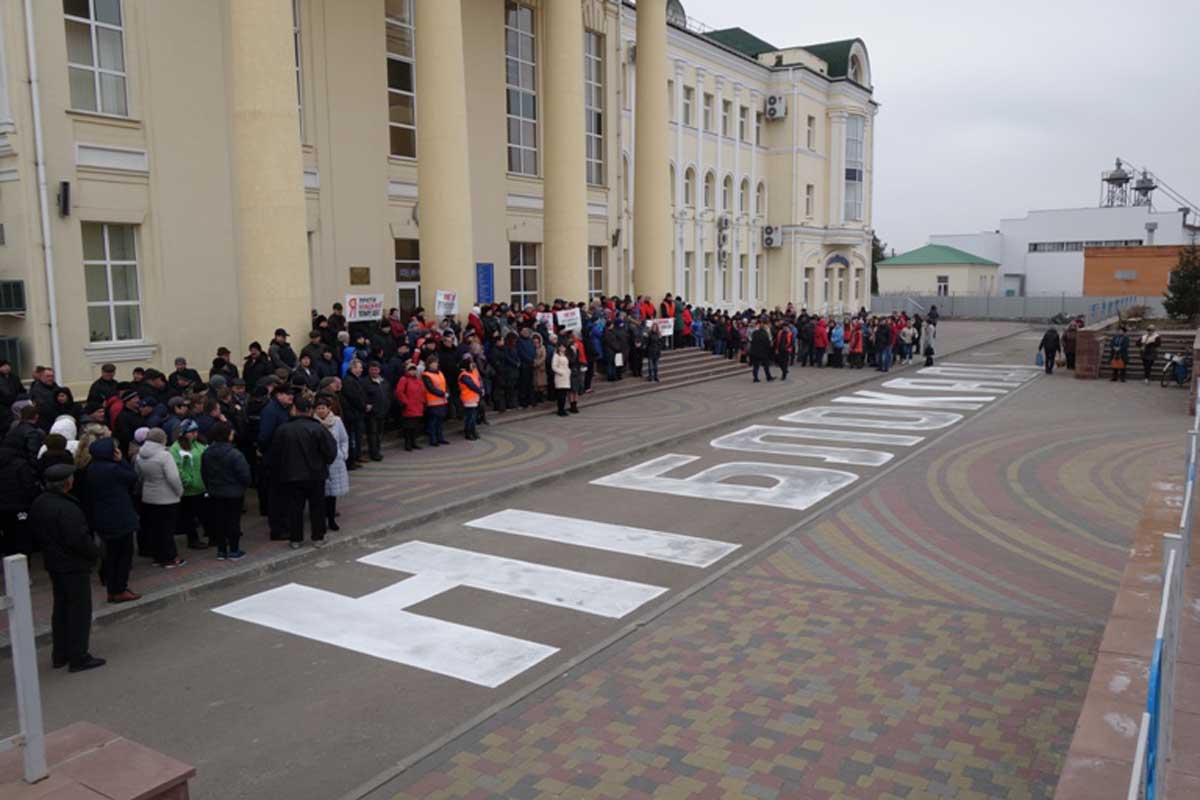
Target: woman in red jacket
410	394
820	342
856	346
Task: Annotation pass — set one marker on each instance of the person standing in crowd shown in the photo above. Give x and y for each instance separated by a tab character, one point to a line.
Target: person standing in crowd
784	343
760	351
883	345
187	451
354	410
410	398
256	366
378	397
280	352
300	456
906	336
540	377
820	342
105	386
10	389
470	390
436	398
1069	338
226	476
274	414
1149	346
508	372
18	489
1049	348
654	347
1119	360
70	555
560	366
337	484
856	345
110	485
162	491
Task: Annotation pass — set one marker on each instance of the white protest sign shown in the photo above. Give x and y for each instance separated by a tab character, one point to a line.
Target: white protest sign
364	307
666	327
570	320
445	304
546	318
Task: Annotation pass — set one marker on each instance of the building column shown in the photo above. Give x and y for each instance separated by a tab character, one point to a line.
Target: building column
735	228
681	204
755	232
718	282
701	290
652	191
837	168
565	162
270	228
443	175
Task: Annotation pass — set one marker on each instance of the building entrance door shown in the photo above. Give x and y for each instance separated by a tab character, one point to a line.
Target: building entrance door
408	300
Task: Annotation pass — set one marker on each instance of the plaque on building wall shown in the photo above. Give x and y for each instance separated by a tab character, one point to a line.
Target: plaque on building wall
360	276
1126	275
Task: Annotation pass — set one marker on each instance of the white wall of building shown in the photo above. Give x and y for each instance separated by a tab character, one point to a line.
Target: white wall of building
1061	272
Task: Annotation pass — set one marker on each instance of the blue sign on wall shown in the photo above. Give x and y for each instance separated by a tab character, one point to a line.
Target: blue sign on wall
485	283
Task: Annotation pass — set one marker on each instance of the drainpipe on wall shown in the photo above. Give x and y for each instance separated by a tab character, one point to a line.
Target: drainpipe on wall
43	201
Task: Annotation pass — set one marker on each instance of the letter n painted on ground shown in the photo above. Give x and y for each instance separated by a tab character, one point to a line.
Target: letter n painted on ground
795	487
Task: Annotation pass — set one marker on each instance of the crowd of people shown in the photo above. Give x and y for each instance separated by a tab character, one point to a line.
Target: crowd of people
151	460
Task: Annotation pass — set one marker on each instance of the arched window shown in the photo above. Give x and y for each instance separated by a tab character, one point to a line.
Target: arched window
856	70
673	186
689	187
760	198
727	193
710	190
744	197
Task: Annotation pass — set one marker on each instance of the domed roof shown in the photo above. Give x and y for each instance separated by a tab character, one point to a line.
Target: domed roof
675	13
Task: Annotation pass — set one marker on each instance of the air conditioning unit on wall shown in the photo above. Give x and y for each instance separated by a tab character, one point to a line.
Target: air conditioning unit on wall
772	236
775	106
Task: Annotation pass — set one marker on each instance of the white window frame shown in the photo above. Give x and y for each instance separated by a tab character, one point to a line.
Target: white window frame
689	187
412	65
93	25
593	91
856	127
707	112
709	259
595	271
521	147
296	33
758	128
943	285
710	190
689	262
671	100
810	199
108	263
519	259
727	193
689	100
726	118
812	132
758	276
743	124
399	262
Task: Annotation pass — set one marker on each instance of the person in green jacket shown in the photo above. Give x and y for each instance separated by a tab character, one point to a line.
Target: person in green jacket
677	339
187	452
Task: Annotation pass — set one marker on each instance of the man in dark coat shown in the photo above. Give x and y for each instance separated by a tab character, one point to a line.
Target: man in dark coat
105	386
272	417
760	351
280	352
1049	348
69	554
42	392
354	411
301	452
378	401
110	483
10	389
256	366
18	488
27	435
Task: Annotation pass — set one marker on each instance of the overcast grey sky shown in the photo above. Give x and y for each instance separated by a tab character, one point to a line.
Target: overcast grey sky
989	110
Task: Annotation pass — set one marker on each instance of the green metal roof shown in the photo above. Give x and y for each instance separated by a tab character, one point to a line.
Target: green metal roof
932	254
835	54
741	40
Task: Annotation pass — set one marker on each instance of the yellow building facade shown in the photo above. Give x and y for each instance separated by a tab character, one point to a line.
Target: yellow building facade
176	176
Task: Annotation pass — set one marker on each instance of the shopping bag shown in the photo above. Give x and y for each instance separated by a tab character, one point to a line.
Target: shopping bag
1118	362
1039	359
1061	361
619	360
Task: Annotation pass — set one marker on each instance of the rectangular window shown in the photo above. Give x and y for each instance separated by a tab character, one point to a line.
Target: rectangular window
689	264
671	100
408	260
708	112
299	74
758	123
741	277
726	115
595	272
743	124
96	56
855	138
810	199
110	272
523	273
626	88
758	277
593	98
521	85
943	285
812	132
689	99
707	276
402	86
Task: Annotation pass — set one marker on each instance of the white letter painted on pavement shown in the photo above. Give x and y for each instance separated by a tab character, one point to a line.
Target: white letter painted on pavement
977	374
873	418
377	625
676	548
795	487
954	403
756	439
854	437
948	385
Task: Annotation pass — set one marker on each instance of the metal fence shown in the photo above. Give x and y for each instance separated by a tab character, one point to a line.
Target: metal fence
31	738
1154	735
1036	308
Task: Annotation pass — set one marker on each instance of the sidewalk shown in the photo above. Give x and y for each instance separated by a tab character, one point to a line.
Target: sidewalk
408	488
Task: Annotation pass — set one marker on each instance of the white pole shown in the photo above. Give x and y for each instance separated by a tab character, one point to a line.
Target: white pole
24	656
39	151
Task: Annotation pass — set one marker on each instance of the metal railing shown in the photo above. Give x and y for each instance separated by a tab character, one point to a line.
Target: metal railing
1092	308
19	605
1154	734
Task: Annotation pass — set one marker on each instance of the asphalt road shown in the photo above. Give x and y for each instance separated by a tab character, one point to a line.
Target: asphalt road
263	712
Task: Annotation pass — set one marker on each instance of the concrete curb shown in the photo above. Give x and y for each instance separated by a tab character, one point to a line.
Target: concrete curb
294	558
